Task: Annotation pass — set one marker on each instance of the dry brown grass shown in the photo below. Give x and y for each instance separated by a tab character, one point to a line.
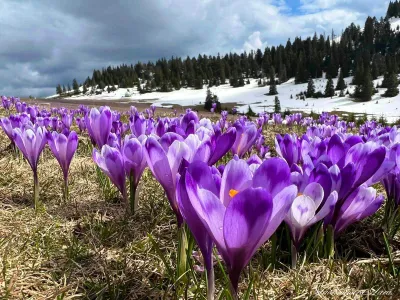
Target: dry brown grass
89	249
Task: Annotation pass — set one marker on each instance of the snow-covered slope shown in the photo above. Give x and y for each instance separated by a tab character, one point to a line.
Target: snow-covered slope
394	23
255	96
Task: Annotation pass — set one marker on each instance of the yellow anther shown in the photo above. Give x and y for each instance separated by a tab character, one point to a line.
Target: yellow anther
233	193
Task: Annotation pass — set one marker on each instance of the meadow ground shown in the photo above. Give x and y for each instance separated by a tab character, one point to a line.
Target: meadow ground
89	249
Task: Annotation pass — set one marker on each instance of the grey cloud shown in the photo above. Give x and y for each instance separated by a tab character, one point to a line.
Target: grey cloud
45	42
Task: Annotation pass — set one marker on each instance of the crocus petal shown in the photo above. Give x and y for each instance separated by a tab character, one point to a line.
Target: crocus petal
222	145
210	210
195	224
246	219
314	191
281	205
237	177
273	175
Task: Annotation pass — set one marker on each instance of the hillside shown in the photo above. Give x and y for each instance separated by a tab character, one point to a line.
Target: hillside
254	96
363	56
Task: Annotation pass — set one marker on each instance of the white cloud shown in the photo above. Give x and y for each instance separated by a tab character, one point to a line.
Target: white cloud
254	42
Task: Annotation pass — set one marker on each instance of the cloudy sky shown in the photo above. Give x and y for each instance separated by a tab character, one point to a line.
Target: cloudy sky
45	42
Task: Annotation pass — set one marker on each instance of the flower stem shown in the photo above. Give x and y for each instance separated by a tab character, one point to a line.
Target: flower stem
36	189
210	284
132	195
294	255
182	246
125	199
66	192
233	291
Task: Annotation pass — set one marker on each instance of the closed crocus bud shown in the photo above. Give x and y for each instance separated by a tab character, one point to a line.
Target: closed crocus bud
134	164
288	147
67	120
360	204
98	123
6	124
6	102
138	124
164	164
63	148
31	140
246	136
111	162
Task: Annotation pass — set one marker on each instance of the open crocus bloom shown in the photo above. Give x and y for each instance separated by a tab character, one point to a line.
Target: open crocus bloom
245	211
307	210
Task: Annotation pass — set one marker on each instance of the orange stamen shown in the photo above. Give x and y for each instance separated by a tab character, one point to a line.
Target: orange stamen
233	193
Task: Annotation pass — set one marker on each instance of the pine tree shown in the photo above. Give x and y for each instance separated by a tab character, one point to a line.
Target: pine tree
58	89
359	73
64	90
102	85
329	89
310	89
341	85
272	83
282	73
363	91
198	85
75	86
241	81
84	89
392	86
374	70
277	105
68	88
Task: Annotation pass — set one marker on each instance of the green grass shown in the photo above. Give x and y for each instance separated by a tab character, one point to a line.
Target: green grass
89	248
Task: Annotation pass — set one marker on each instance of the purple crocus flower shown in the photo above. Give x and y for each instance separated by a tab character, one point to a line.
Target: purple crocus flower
6	102
20	107
138	124
67	120
359	205
134	164
81	124
165	164
245	212
63	148
6	124
196	226
153	109
188	121
362	163
98	123
277	118
221	145
111	162
246	136
288	148
307	209
31	141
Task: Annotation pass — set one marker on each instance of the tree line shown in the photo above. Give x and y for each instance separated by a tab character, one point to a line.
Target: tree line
366	54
